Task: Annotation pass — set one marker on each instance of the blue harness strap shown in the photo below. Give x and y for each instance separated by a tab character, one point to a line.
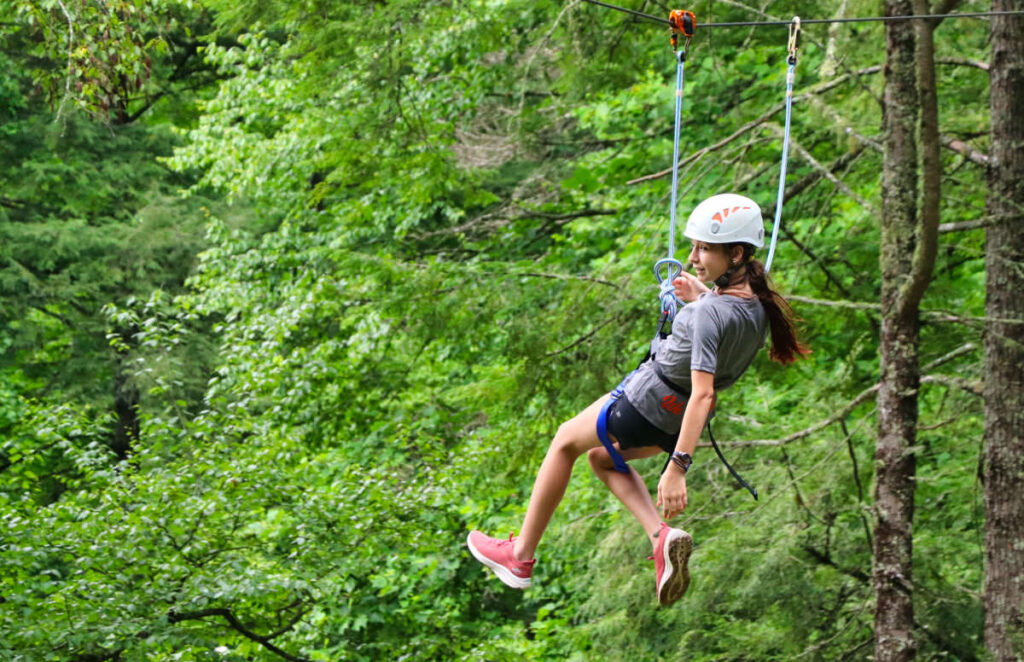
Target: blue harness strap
602	430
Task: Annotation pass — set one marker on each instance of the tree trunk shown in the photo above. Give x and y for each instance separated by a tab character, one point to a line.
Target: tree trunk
126	406
1004	344
907	258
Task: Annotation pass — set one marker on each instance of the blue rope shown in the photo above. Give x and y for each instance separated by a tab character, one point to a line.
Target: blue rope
785	159
680	66
668	269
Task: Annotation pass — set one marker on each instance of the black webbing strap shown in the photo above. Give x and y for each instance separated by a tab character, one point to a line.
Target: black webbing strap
739	478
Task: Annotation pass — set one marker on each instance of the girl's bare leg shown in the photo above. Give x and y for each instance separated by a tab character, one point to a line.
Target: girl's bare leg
629	488
574	438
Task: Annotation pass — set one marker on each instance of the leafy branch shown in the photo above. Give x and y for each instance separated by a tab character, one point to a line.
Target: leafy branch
238	626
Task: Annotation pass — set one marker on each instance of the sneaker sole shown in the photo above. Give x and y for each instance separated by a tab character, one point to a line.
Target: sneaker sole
503	573
676	577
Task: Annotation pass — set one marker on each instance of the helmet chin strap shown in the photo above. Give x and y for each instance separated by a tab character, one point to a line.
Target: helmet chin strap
725	279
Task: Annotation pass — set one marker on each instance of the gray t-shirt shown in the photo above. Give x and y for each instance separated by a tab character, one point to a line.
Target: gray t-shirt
717	333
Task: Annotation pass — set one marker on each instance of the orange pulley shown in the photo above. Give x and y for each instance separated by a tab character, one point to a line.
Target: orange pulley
683	22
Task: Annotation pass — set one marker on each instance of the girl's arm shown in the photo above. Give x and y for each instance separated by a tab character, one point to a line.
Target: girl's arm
672	486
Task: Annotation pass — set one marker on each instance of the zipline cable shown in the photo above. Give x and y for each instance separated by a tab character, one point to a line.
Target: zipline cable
812	21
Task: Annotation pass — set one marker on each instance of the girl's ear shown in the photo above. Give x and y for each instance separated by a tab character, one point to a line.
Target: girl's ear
736	254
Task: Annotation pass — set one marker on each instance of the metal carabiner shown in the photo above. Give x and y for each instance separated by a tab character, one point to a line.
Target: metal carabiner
794	39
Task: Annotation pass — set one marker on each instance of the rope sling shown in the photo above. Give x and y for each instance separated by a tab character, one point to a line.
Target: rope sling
669	268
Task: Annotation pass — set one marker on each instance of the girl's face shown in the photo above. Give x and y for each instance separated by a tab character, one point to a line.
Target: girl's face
709	260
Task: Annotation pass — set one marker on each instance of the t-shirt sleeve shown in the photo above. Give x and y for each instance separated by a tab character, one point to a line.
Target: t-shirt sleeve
706	340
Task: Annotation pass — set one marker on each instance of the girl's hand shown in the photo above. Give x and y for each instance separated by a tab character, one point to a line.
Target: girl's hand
672	492
688	287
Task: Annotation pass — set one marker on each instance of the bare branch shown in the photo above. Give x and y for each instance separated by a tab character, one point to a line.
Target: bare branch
940	424
974	388
757	122
495	221
966	348
865	395
531	274
825	172
236	625
965	150
927	315
581	339
852	305
969	225
962	62
799	187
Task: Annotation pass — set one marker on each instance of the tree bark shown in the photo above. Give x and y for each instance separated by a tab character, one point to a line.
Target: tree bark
907	259
1004	344
126	403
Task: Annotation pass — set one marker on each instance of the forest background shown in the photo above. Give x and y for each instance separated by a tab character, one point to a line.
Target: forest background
296	294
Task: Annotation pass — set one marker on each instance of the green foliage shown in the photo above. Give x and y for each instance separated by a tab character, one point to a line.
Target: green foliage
421	254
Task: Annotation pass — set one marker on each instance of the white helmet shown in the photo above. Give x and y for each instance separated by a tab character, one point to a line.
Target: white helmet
726	218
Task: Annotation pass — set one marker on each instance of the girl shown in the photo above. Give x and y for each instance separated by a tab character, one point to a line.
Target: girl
666	401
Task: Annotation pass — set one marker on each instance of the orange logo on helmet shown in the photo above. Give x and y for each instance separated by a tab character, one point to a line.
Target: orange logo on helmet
722	215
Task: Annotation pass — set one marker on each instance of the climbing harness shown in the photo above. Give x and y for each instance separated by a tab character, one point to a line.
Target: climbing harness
683	23
794	43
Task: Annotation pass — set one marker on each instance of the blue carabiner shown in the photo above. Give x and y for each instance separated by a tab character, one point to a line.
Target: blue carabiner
667	296
672	274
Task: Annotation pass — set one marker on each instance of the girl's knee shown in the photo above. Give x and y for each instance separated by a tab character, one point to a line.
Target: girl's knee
599	459
567	442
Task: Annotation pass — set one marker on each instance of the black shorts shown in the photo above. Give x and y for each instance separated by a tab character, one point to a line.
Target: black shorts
632	430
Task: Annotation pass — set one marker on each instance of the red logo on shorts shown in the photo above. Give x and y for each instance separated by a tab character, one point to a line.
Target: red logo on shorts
673	405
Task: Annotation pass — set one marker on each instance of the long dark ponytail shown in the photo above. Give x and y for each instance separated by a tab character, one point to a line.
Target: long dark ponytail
786	347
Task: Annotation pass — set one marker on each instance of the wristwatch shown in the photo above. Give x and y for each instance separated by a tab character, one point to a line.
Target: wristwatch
682	460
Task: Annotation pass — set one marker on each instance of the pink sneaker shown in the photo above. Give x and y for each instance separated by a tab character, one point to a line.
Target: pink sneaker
497	555
671	554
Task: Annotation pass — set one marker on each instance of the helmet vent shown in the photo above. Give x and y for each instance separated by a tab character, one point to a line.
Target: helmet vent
715	227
